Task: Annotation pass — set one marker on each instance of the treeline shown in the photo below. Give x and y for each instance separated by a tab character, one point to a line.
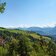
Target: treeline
19	44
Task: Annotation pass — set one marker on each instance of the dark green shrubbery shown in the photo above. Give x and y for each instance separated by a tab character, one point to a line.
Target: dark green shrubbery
25	44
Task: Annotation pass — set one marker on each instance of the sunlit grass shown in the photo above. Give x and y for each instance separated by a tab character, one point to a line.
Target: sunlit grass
3	51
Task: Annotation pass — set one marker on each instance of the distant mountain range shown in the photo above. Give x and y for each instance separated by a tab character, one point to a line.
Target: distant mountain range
46	31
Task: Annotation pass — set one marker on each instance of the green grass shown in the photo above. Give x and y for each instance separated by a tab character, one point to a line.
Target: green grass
3	51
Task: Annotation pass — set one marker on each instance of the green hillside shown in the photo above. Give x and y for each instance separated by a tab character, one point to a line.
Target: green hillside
25	43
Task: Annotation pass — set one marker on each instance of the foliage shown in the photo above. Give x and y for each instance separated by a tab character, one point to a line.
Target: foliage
24	43
2	7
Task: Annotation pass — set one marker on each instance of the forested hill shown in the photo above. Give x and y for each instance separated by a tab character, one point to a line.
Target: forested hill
25	43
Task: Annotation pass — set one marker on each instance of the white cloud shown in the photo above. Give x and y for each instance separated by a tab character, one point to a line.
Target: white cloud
31	25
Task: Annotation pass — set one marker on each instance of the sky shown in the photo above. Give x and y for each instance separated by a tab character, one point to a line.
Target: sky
28	13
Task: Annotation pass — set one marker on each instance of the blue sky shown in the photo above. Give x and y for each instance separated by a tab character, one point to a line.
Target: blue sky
26	13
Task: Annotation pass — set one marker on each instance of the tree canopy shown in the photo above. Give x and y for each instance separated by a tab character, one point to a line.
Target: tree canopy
2	7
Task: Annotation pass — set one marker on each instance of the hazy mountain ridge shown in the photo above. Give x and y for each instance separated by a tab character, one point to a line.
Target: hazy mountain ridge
49	31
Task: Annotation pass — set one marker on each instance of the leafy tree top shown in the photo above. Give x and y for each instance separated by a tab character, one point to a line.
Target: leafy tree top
2	7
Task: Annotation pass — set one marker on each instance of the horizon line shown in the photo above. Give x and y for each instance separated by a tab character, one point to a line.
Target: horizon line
27	26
